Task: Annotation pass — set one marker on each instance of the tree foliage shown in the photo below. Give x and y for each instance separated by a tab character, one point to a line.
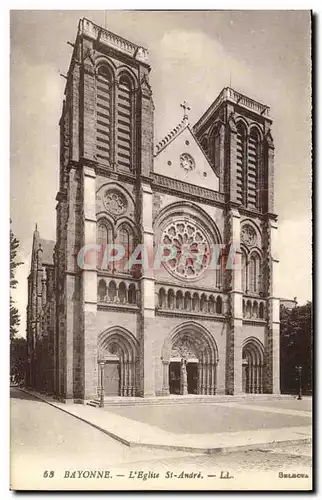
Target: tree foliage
296	347
14	313
18	357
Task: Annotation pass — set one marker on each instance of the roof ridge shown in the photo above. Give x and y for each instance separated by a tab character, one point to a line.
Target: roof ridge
171	135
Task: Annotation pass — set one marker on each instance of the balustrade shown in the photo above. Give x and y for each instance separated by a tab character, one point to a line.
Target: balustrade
170	298
117	291
254	308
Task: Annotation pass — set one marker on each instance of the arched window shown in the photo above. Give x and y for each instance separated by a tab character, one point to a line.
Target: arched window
195	302
162	297
219	270
211	304
187	301
125	238
101	289
215	150
261	310
179	300
112	291
132	294
255	310
122	293
204	145
241	162
254	273
170	299
248	309
244	271
219	305
253	169
203	303
124	122
104	115
104	238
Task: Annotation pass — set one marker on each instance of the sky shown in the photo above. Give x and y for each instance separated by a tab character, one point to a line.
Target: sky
263	54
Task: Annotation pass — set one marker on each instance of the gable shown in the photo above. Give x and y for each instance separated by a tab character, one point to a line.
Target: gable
184	160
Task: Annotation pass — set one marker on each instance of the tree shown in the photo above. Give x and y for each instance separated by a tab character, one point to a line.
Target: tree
18	357
296	347
14	313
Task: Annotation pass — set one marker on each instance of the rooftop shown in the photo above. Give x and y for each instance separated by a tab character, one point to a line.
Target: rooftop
88	28
231	95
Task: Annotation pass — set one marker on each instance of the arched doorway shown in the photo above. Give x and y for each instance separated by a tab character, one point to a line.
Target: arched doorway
189	358
118	349
253	366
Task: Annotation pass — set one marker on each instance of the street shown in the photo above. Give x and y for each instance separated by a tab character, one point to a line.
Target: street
44	438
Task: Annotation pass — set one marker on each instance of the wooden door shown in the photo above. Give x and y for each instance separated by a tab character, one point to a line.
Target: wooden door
192	378
112	378
174	377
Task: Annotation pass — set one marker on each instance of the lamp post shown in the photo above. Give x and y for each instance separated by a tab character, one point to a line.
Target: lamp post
299	369
101	368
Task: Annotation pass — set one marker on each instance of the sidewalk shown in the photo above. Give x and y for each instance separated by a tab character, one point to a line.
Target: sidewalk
133	433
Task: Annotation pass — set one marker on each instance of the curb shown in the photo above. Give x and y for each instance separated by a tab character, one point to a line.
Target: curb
207	451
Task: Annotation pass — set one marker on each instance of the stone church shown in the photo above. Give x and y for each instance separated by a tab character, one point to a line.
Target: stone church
183	327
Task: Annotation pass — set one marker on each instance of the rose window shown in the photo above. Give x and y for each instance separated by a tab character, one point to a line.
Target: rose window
189	247
114	202
248	235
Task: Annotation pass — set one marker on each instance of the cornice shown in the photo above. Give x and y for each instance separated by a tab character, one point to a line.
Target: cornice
102	306
185	314
161	183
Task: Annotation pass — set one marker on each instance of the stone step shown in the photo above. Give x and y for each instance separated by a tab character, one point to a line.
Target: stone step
184	400
94	402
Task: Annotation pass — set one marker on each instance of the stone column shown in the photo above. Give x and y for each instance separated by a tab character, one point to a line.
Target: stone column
213	381
183	376
231	171
272	341
203	378
128	378
144	167
89	284
147	295
234	344
165	385
71	296
207	370
222	187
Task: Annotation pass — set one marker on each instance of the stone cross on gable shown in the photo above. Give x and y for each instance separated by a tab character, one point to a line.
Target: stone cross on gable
186	108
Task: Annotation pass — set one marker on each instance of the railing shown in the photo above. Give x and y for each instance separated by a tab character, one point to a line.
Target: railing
229	94
117	291
113	40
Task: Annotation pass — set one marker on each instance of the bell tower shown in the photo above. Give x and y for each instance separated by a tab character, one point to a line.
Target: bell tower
106	135
235	133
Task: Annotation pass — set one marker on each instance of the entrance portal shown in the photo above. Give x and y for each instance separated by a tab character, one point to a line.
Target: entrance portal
253	366
189	359
118	350
177	374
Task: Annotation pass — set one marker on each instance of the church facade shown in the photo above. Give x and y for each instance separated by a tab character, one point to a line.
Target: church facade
184	326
